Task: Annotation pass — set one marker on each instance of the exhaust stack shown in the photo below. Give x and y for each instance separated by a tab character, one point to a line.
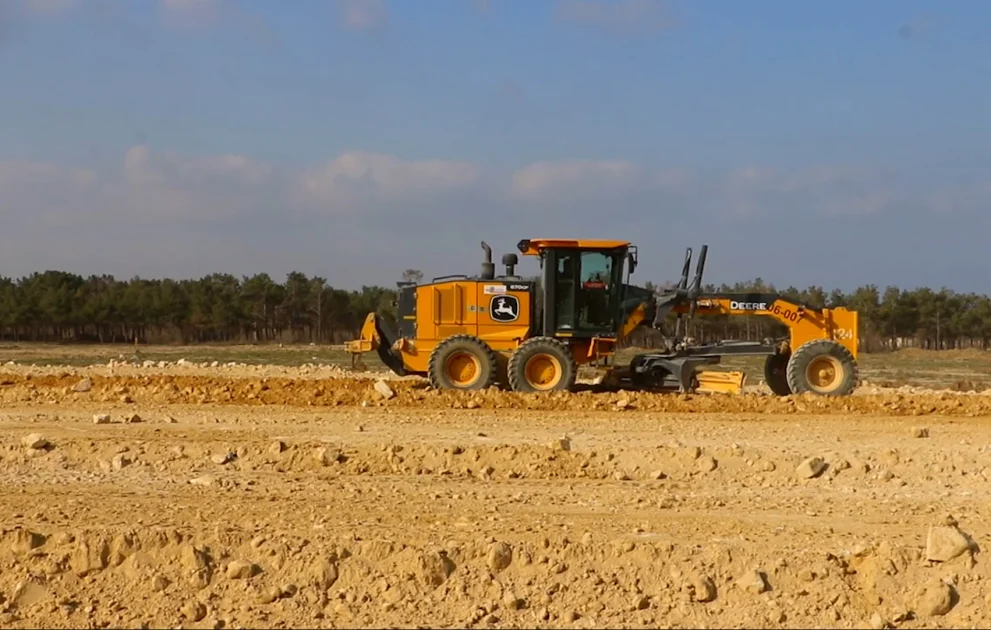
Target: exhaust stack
488	267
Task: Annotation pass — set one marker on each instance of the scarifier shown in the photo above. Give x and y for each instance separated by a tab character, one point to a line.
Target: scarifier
472	333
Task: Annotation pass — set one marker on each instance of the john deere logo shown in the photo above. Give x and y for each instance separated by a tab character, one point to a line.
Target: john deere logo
504	308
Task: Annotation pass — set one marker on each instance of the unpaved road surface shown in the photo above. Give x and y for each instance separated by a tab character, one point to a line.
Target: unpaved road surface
217	498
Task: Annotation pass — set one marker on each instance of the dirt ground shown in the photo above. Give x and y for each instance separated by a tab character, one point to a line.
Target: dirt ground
224	496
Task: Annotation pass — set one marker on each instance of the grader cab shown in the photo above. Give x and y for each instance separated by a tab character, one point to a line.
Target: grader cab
475	332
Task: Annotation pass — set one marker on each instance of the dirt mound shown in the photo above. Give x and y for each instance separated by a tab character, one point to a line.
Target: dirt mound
336	392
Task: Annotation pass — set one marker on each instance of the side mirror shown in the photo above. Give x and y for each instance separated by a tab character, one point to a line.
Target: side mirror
632	259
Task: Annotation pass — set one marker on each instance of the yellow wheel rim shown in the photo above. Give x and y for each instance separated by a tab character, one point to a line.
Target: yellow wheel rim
463	369
543	372
824	373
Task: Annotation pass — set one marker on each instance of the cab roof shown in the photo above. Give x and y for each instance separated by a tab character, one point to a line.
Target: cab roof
533	246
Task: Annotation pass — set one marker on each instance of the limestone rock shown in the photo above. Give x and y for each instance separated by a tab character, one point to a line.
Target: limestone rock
946	542
383	388
936	600
810	468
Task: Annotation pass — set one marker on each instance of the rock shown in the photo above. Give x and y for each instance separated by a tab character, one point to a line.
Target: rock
23	541
500	556
326	455
946	542
623	403
203	480
101	418
706	464
658	475
120	461
277	447
810	468
223	458
159	583
511	601
936	600
126	399
197	565
83	386
752	581
241	570
561	444
170	420
133	419
920	432
34	441
702	589
383	388
433	569
269	595
89	557
877	622
323	573
193	611
641	602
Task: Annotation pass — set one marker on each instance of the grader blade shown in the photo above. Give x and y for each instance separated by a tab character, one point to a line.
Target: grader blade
716	382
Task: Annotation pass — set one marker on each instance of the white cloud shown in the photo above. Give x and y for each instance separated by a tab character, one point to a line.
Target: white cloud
354	176
542	179
820	190
159	212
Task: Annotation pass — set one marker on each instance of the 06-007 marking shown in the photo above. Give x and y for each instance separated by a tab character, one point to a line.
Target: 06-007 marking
786	313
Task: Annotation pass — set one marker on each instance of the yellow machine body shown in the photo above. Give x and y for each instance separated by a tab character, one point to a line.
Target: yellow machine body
471	332
462	307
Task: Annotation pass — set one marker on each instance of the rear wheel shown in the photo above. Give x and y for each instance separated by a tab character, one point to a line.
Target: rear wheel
776	374
823	367
462	362
542	364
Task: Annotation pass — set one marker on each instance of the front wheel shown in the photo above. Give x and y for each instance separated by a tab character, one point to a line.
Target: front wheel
823	367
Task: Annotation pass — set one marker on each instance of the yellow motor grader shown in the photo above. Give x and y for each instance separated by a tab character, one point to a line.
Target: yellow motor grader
475	332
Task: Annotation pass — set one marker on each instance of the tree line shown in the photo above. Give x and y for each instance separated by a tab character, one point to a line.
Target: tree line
56	306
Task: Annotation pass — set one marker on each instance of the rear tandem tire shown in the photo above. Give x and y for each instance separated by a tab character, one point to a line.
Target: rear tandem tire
462	362
776	374
542	364
823	367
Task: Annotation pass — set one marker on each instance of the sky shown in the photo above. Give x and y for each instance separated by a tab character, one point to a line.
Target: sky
835	144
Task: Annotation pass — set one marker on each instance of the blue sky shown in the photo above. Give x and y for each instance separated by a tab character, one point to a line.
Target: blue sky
836	144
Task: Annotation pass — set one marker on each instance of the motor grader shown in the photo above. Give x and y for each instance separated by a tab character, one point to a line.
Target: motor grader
505	330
